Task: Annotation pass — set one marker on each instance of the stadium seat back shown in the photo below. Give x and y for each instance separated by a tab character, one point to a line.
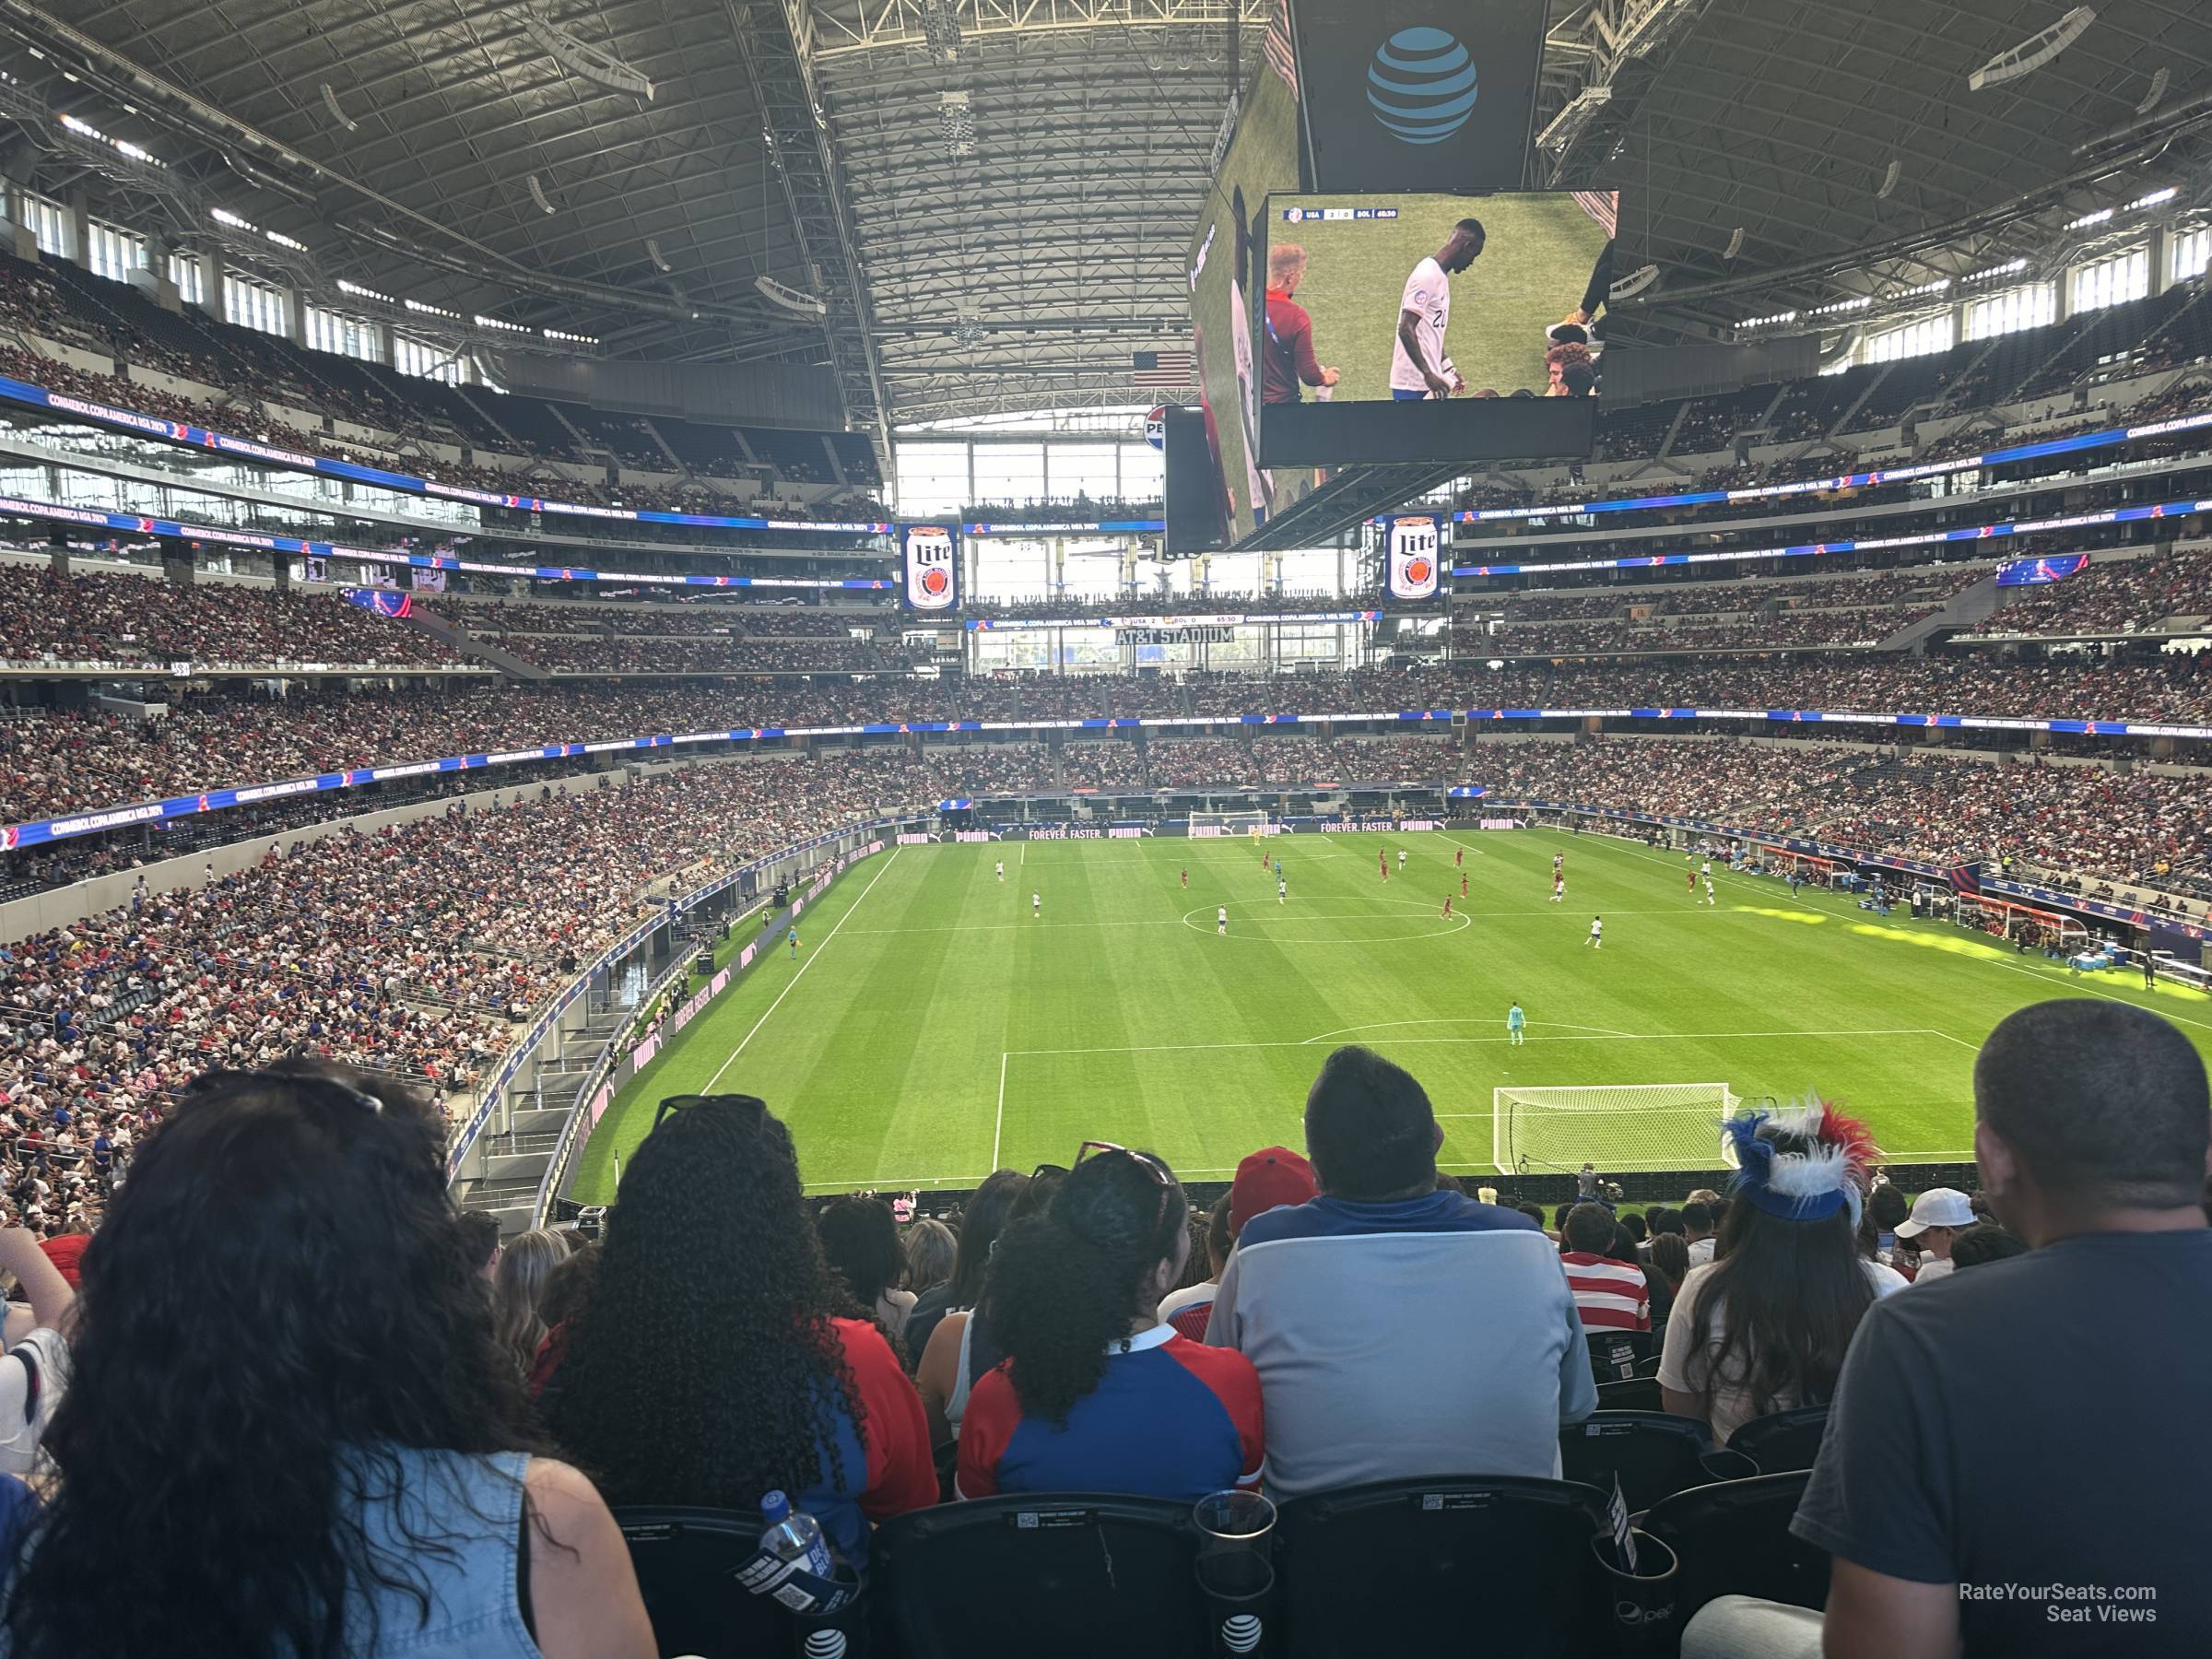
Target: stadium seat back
1452	1564
1732	1538
1652	1452
1637	1393
1613	1354
685	1559
1076	1575
1781	1440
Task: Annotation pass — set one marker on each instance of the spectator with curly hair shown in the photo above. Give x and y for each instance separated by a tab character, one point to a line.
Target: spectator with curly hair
1095	1395
721	1357
326	1459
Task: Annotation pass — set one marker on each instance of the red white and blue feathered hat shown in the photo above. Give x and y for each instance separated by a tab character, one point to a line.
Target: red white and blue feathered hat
1803	1163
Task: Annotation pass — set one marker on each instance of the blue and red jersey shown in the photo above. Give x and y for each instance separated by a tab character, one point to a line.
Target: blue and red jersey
1170	1419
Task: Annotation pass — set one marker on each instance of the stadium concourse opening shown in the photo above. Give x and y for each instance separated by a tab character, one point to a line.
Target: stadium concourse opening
1273	830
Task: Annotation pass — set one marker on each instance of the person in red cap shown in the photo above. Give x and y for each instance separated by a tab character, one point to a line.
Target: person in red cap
1268	1179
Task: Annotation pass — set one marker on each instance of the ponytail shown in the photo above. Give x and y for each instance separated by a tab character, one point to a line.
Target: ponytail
1065	1286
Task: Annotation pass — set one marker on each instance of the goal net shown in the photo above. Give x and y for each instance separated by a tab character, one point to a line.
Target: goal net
1618	1127
1231	823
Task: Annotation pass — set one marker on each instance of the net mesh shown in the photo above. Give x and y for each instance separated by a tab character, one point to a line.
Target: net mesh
1618	1127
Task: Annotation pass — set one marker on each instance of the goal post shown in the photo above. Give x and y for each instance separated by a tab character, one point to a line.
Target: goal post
1621	1128
1213	825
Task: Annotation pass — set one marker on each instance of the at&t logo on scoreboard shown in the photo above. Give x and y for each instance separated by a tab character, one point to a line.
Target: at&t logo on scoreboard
1414	557
933	567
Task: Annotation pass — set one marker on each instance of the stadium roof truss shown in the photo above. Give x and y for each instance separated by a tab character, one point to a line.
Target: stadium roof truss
969	206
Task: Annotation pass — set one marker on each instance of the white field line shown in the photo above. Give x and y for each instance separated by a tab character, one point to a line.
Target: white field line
813	958
1182	1047
998	1124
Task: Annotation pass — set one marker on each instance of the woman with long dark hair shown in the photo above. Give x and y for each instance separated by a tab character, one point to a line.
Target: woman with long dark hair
290	1431
1095	1393
720	1358
1763	1326
861	1240
982	1221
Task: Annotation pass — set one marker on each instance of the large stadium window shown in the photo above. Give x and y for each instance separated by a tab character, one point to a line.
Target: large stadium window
1010	471
191	282
1923	338
252	303
1143	472
2192	253
2113	281
116	253
426	360
2033	305
1081	469
931	479
49	224
348	337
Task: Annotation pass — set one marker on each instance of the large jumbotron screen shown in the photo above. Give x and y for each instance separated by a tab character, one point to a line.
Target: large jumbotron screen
1442	302
1226	278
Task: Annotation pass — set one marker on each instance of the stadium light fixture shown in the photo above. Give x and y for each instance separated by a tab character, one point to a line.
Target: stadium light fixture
595	65
425	309
2011	267
359	292
573	339
1768	322
2102	215
2034	52
2157	199
85	129
337	113
1569	124
790	299
481	320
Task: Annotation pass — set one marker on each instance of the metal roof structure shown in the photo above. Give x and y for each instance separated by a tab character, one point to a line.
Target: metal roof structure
966	207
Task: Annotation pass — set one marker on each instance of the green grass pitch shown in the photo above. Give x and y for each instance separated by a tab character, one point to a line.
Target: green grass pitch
1533	269
931	1030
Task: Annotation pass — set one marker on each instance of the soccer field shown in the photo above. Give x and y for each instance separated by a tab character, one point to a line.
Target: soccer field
931	1030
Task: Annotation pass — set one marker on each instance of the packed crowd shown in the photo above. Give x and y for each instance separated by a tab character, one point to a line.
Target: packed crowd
2115	596
2139	827
704	620
113	617
728	1346
54	762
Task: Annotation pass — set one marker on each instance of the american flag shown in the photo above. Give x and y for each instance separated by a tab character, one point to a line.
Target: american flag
1161	368
1276	47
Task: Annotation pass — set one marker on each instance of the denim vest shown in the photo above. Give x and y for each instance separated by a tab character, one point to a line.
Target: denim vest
470	1505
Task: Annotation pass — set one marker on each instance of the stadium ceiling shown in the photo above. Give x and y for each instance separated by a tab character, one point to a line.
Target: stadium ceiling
972	206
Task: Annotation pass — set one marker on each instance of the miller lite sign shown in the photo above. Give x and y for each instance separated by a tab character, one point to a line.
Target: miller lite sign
933	567
1413	556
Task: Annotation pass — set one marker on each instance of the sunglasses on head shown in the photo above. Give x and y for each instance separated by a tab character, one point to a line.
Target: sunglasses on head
752	1105
1159	1177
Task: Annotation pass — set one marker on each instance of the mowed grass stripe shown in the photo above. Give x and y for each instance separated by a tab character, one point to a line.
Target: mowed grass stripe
887	1056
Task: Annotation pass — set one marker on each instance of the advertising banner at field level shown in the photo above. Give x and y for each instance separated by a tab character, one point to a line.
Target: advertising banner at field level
1404	95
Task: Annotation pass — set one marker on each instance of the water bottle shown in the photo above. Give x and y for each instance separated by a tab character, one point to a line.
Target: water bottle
794	1536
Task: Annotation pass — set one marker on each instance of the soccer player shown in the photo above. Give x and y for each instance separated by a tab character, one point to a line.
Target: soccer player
1459	859
1278	869
1282	891
1514	1021
1186	879
1690	877
1221	919
2151	971
792	936
1002	869
1558	863
1419	368
1462	883
1287	359
1037	905
1382	862
1559	887
1401	861
1447	907
1705	867
1597	933
1709	898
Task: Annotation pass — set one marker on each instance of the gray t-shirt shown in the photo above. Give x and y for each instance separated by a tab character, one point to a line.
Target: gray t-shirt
2035	1431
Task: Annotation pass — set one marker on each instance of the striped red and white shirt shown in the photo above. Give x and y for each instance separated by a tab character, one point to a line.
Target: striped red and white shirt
1609	1295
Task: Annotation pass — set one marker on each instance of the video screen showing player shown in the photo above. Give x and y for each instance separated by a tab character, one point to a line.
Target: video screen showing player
1429	297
